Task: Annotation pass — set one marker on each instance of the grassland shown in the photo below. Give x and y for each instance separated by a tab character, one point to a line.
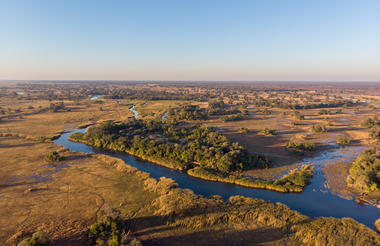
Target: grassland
50	124
156	211
64	198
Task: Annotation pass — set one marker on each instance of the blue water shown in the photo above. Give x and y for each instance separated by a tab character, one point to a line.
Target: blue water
315	201
135	113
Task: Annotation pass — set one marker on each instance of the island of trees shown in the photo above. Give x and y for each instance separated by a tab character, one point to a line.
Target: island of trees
365	172
201	151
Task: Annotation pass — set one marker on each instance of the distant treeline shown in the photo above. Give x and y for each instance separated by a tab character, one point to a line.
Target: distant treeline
194	112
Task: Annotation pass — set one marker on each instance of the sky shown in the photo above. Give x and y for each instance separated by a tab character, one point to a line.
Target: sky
262	40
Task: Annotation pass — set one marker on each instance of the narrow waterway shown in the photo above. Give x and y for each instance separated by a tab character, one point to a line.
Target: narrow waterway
314	201
135	113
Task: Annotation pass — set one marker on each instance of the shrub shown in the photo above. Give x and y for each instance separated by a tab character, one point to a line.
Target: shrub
300	147
106	230
343	140
234	117
323	112
374	133
39	238
243	130
370	122
264	111
298	115
53	156
318	128
268	132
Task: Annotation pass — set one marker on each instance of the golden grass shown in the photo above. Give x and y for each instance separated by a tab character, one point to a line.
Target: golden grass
65	206
49	124
158	211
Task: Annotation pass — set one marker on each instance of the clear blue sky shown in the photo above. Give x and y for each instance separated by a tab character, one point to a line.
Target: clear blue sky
190	40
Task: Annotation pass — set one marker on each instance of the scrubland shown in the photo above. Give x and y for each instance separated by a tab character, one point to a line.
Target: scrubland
64	197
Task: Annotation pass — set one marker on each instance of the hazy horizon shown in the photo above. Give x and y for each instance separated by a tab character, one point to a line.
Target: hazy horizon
242	41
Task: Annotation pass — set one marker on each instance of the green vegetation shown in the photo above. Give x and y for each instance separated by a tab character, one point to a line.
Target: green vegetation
39	238
55	107
243	130
374	125
53	156
299	147
220	108
298	115
324	112
264	111
188	112
365	172
318	128
110	230
234	117
194	112
295	181
370	122
343	140
268	132
374	133
207	215
176	146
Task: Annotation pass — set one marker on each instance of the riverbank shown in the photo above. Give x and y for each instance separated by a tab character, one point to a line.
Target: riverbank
295	181
156	210
313	201
336	179
129	152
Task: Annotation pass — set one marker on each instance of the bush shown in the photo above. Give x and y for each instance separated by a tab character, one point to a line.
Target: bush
323	112
370	122
53	156
318	128
300	147
234	117
374	133
298	115
243	130
264	111
106	230
268	132
39	238
343	140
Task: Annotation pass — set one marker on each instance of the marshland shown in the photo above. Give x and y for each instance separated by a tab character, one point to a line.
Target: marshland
160	164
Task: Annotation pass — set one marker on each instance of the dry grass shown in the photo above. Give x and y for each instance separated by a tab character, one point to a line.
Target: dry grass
158	212
65	205
50	124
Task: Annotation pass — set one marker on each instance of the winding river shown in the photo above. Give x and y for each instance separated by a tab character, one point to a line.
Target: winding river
314	201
